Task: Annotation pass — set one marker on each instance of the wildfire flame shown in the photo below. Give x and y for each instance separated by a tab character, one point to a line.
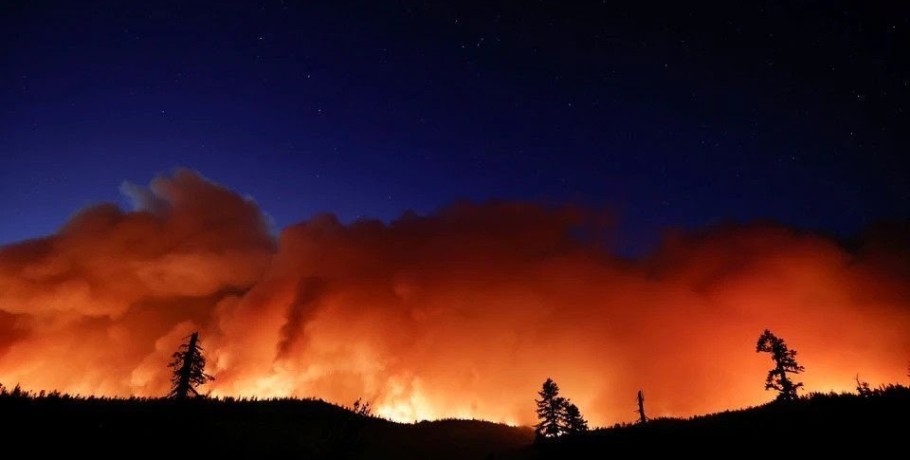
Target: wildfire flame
461	313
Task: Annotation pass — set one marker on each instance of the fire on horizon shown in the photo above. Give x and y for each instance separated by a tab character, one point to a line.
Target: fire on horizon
458	313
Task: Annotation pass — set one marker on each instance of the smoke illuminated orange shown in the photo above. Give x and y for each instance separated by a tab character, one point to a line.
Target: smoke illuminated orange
461	313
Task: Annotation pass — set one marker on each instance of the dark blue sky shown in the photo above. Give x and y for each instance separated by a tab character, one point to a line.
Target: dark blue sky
669	115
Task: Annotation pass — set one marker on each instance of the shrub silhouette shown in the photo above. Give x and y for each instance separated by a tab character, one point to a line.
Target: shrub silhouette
362	408
862	388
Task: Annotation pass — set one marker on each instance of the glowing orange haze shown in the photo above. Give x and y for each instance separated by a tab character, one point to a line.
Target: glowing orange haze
462	313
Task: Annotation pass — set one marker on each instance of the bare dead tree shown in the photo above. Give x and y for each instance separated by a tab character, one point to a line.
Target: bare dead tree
642	418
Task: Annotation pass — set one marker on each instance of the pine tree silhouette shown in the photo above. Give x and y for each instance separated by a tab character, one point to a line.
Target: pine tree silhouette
784	363
572	420
550	409
189	369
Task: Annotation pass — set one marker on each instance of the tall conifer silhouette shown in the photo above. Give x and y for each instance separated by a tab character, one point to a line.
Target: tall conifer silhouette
550	409
189	369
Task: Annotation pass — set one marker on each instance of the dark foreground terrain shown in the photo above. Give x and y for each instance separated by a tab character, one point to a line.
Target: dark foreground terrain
844	425
106	428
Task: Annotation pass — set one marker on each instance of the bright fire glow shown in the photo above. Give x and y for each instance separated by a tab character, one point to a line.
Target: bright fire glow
462	313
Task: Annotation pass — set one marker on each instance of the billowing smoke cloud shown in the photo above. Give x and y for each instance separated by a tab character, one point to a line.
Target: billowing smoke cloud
462	313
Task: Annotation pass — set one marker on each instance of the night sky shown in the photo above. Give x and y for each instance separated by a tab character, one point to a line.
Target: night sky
665	115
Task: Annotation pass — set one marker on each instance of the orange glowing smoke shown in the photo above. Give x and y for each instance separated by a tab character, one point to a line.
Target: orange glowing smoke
462	313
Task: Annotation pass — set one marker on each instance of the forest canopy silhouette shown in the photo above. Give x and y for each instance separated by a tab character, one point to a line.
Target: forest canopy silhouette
430	316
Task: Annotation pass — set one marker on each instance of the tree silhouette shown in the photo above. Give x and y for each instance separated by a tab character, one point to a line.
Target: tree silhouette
573	422
784	363
189	369
550	409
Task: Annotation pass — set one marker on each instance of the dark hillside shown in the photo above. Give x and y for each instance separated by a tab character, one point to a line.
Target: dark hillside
156	428
838	425
249	429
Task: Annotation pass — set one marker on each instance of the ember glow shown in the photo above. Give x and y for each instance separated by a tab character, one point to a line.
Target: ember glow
461	313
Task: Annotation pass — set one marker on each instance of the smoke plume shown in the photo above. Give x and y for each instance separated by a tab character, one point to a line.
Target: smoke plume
460	313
